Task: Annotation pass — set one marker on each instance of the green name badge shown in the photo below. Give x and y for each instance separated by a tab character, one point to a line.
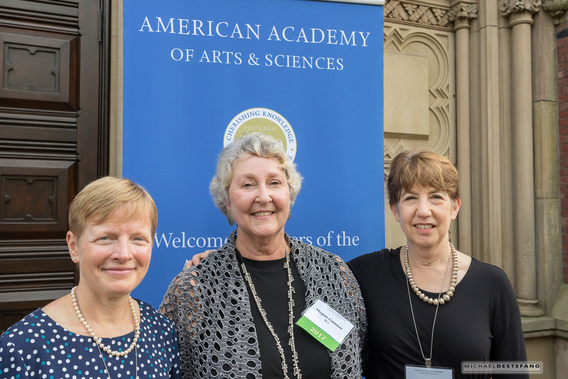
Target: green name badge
325	324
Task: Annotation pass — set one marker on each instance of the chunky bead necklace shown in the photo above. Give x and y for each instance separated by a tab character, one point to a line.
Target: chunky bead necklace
454	280
290	318
97	340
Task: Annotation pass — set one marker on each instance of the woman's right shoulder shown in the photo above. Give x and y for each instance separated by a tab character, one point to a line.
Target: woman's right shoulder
375	256
369	261
193	276
186	275
21	328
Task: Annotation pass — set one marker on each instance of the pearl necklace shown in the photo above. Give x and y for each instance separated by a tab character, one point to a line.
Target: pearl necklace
97	340
454	281
257	300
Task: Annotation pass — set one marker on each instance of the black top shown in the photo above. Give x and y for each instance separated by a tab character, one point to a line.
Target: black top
480	323
270	281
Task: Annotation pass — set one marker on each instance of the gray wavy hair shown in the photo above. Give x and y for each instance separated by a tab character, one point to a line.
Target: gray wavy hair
254	144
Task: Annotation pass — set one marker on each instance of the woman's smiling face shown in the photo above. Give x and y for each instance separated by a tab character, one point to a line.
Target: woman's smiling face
114	255
425	215
259	197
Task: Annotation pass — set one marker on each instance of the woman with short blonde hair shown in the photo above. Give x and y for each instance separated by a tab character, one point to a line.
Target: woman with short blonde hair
98	331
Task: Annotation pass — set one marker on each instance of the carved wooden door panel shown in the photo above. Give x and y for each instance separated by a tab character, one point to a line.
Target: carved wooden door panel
53	139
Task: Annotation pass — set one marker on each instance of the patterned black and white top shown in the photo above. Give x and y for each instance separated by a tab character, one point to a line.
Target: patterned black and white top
38	347
218	334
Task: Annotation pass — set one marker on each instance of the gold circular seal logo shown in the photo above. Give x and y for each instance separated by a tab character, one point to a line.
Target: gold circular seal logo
265	121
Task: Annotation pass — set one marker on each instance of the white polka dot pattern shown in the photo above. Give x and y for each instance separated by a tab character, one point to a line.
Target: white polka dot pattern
38	347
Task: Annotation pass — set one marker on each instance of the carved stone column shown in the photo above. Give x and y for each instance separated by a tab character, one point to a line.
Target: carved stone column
461	15
556	8
520	13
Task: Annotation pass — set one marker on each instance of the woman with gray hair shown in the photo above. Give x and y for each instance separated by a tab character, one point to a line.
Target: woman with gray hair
237	311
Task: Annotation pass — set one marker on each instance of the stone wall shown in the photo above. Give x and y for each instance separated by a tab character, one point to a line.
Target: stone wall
562	59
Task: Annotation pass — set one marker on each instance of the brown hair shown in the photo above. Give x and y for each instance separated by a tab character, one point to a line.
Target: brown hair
424	168
101	198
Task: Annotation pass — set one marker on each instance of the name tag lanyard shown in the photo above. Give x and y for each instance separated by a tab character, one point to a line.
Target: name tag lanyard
427	361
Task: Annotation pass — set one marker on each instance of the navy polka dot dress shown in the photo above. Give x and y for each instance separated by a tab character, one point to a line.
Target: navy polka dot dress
38	347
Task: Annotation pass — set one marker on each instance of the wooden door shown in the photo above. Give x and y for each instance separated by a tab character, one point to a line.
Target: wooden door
53	139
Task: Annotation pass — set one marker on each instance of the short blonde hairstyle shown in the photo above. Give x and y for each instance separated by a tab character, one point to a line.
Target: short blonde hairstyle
100	199
424	168
250	144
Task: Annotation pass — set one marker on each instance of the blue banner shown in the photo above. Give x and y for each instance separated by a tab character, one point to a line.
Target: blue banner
198	74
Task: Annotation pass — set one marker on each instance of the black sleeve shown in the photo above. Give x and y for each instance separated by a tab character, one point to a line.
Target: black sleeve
508	343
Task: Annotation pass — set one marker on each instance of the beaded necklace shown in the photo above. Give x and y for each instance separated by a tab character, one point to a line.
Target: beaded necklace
258	302
442	299
439	301
98	340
